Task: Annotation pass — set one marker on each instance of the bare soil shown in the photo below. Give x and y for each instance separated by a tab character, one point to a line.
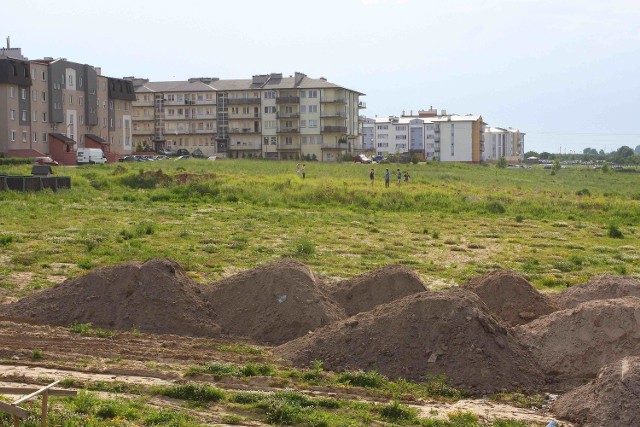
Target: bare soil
600	288
572	345
510	297
432	333
496	333
612	399
374	288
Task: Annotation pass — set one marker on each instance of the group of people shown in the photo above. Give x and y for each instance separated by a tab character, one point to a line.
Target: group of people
301	170
387	176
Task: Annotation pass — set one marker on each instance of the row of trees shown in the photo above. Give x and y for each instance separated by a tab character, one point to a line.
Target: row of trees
622	156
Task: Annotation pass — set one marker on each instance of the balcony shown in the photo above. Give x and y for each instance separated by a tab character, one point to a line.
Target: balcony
283	146
334	101
287	130
142	132
362	105
334	129
287	115
242	101
339	144
250	116
288	100
243	130
334	114
244	145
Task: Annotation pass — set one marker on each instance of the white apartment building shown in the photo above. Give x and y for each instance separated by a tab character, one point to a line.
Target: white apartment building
504	142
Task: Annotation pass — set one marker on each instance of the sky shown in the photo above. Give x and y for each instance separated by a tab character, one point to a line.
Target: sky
565	72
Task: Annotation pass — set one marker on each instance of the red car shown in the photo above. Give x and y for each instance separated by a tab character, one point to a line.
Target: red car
361	158
45	161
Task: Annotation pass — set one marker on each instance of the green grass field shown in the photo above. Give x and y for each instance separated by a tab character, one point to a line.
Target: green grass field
450	223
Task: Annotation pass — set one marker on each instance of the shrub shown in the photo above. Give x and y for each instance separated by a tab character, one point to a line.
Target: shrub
5	240
371	379
583	192
496	207
36	354
192	392
614	232
502	163
304	247
396	412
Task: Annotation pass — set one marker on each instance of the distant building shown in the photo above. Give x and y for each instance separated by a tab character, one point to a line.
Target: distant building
501	142
53	106
446	137
268	116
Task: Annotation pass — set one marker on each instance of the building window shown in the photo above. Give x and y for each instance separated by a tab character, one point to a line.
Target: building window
270	110
288	140
81	100
13	136
12	114
313	94
35	137
313	108
269	94
274	140
24	136
401	128
44	117
44	136
34	116
303	123
24	116
401	137
44	76
70	99
23	93
34	95
313	123
110	104
383	127
383	136
303	108
33	74
12	91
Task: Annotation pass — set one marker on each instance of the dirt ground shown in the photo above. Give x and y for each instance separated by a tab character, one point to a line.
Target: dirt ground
150	359
496	333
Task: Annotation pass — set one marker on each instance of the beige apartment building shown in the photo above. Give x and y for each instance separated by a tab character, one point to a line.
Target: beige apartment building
53	107
268	116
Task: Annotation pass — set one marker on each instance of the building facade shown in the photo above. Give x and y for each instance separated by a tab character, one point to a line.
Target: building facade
444	137
267	116
54	106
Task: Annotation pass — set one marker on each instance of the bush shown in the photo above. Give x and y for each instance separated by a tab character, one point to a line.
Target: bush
371	379
583	192
304	247
192	392
502	163
614	232
496	207
396	412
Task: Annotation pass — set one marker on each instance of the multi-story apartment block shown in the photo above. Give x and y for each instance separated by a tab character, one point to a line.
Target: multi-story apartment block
501	142
268	116
427	135
53	106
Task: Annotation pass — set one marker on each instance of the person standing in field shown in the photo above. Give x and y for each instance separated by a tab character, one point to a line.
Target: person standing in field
372	176
298	168
406	177
399	176
387	178
303	171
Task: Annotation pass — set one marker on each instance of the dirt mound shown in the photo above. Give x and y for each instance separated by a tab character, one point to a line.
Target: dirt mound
273	303
612	399
572	345
510	297
386	284
430	333
155	296
605	287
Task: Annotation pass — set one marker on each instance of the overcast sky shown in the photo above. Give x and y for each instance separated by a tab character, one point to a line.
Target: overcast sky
566	72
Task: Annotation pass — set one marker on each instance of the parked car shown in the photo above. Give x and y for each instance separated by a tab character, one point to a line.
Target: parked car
128	159
361	158
182	152
185	157
45	161
380	159
212	158
198	153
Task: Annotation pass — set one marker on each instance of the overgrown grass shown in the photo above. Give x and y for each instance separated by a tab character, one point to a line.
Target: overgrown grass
253	212
89	329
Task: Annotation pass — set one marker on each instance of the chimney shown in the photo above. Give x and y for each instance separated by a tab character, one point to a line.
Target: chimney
8	42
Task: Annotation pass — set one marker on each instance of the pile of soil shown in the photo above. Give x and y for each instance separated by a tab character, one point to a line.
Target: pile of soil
374	288
155	296
431	333
510	297
273	303
605	287
612	399
572	345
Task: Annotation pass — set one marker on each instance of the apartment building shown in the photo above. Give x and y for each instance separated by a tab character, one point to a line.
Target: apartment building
427	135
267	116
53	106
504	142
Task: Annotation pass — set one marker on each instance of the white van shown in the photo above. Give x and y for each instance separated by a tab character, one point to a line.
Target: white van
90	156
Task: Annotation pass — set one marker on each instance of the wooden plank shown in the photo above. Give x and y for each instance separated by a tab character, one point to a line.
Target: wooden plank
14	410
35	393
23	390
43	414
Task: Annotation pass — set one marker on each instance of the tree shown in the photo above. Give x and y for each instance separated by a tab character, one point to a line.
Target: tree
544	155
555	167
531	154
591	151
502	163
637	149
625	151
